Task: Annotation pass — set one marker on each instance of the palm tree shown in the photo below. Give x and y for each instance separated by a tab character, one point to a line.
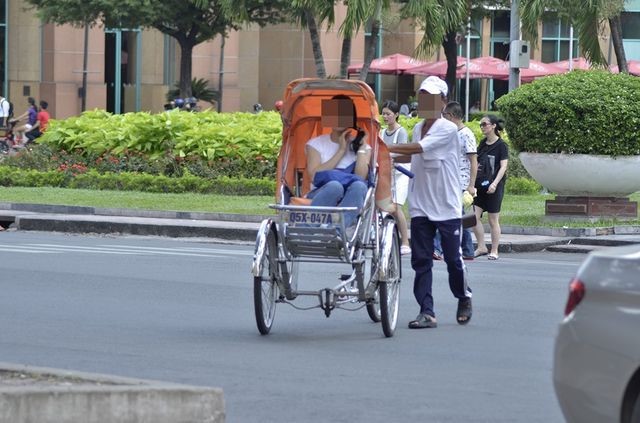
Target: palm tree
311	14
587	17
440	20
359	12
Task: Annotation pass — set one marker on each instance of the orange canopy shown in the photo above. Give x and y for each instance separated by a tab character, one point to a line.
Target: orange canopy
301	118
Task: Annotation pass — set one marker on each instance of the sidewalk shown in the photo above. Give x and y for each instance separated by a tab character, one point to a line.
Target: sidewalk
242	228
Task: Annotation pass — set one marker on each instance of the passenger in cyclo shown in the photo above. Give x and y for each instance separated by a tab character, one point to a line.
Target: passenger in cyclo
338	162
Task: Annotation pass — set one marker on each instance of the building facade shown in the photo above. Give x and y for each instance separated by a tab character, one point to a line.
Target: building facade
132	69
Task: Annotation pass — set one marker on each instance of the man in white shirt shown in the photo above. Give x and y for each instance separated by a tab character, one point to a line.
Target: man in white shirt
435	203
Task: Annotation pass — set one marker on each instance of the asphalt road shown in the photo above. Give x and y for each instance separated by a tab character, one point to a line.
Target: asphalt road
181	311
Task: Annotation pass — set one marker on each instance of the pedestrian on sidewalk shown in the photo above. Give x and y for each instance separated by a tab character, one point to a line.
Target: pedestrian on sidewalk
393	134
493	158
435	203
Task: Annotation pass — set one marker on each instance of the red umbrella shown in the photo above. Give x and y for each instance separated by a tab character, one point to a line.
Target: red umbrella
395	64
438	68
535	70
578	63
485	67
633	65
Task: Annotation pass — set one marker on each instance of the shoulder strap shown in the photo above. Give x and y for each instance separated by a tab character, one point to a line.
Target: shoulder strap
490	148
395	136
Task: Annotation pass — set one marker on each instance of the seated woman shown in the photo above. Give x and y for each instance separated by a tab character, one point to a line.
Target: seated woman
337	150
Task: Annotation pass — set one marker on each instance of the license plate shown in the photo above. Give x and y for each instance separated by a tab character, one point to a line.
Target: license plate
311	218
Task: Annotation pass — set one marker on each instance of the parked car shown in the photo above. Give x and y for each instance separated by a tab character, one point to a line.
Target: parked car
596	369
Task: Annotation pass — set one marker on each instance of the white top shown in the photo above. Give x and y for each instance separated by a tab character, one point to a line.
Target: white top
435	189
327	149
467	146
4	107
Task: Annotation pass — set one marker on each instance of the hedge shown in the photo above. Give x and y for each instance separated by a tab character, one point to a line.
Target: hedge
136	182
580	112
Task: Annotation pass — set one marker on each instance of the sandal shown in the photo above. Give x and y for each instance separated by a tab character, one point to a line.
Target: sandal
493	256
478	253
464	313
423	321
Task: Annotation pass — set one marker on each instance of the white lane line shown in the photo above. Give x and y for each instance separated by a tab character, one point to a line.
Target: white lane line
21	250
82	249
188	249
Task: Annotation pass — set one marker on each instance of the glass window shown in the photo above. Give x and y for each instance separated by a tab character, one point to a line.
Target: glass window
630	25
549	51
501	24
550	25
564	50
476	27
500	50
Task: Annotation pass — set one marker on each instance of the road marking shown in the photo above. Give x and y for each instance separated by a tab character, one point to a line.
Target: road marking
113	249
188	249
19	249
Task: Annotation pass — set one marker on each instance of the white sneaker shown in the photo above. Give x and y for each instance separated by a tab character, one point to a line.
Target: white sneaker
405	250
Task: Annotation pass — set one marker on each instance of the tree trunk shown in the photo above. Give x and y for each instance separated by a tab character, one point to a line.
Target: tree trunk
618	46
450	51
345	57
315	44
186	56
369	55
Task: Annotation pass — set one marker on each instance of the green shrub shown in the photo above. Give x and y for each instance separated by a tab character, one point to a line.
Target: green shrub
522	186
178	134
125	181
580	112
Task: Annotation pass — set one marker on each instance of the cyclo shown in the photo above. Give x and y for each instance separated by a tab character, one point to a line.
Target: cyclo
301	233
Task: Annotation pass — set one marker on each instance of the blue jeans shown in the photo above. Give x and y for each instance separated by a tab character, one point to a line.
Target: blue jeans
467	243
423	232
334	194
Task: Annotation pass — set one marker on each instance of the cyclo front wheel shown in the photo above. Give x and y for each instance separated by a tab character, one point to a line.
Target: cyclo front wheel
389	283
373	306
265	287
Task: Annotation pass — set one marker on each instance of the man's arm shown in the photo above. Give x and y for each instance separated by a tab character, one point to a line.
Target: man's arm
405	149
473	159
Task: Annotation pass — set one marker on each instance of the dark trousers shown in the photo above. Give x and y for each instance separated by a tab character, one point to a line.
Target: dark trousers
423	232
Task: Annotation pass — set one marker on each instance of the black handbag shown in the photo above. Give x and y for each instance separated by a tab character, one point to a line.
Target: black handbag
469	220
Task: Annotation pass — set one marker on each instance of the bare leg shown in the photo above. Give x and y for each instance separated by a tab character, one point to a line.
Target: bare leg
478	231
494	223
402	224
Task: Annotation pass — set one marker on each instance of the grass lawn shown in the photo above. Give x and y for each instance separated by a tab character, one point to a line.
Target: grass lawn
521	210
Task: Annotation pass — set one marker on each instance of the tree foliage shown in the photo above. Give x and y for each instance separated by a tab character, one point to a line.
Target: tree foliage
189	22
588	18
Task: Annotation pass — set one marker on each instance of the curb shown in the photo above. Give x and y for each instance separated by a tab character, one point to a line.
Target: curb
46	395
160	227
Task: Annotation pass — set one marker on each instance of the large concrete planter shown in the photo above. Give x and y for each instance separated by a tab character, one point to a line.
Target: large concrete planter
586	185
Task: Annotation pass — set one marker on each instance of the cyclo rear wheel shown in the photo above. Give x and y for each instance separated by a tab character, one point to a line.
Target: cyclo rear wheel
265	287
389	286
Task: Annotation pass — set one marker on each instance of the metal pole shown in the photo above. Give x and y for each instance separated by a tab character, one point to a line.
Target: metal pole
570	48
466	86
117	97
514	35
379	54
85	60
221	74
138	70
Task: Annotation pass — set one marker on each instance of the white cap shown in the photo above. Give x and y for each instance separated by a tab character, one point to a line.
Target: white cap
434	85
